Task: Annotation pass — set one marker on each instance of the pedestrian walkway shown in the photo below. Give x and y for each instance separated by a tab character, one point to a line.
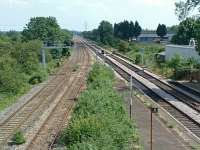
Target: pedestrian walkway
163	138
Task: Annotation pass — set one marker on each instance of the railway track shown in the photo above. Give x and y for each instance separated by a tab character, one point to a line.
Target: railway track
171	83
183	118
185	88
190	101
170	89
58	118
30	111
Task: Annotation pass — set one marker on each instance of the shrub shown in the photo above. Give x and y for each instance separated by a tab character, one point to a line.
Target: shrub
56	53
65	52
100	72
35	79
18	138
123	46
138	58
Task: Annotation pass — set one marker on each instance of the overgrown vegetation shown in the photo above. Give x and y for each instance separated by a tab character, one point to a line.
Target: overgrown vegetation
99	120
20	59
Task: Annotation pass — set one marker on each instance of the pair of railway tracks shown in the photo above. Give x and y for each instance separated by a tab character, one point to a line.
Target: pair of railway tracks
60	115
182	117
28	113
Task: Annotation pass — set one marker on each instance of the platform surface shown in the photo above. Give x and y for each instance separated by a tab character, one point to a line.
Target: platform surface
163	138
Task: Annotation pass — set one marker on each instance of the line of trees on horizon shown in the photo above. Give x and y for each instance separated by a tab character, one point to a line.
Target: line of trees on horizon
127	30
106	33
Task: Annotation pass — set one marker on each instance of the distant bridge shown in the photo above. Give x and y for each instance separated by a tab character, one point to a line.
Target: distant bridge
55	46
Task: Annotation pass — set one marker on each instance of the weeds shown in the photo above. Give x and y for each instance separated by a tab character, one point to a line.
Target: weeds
18	138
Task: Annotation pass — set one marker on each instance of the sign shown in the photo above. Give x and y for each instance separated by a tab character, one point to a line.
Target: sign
154	110
142	50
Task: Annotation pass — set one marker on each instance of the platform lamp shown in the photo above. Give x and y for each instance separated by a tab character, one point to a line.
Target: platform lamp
131	96
152	110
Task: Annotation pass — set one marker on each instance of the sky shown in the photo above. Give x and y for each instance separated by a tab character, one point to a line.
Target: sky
76	14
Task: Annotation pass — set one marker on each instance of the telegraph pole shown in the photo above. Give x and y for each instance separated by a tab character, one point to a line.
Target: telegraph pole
131	96
43	57
152	110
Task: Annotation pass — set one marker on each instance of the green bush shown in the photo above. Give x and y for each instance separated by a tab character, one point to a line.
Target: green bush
35	79
100	72
56	53
99	120
65	52
123	46
138	58
18	138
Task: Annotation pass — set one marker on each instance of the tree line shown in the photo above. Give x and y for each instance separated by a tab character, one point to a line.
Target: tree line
127	30
106	33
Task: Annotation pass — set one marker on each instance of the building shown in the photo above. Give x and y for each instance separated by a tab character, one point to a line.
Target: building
153	37
184	51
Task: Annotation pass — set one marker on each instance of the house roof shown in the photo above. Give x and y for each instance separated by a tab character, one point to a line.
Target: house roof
153	35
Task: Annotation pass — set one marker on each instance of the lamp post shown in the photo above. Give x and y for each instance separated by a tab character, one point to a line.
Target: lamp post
103	54
142	50
131	98
153	110
43	57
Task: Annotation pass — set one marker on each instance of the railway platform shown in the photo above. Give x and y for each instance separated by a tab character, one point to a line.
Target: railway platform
163	138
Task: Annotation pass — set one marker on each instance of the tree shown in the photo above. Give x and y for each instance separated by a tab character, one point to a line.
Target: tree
161	30
66	37
14	35
116	29
173	29
138	29
42	28
183	8
105	30
121	30
27	56
131	30
186	30
126	31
